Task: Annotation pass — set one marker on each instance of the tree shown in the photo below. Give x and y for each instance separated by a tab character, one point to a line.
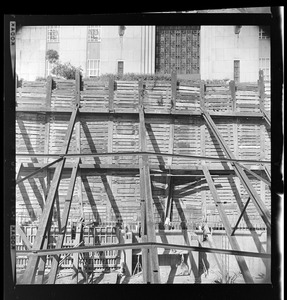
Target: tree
65	70
52	56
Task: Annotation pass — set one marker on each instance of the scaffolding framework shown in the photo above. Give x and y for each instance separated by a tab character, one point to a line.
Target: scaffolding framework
37	252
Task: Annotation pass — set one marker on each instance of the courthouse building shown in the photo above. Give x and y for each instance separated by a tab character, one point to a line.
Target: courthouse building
206	52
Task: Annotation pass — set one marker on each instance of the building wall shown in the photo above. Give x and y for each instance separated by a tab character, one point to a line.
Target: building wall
220	46
73	45
30	52
135	48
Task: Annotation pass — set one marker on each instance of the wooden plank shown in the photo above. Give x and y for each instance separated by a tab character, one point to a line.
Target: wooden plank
146	245
29	273
150	257
232	240
76	254
202	94
64	221
111	93
77	87
173	89
260	206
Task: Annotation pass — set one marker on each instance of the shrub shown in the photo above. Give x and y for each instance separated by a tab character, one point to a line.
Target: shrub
65	70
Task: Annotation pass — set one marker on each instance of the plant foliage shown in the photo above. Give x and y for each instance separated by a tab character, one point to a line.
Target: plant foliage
65	70
52	56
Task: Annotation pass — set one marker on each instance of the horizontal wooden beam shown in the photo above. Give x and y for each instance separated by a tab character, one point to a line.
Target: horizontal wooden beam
146	245
168	170
144	153
148	112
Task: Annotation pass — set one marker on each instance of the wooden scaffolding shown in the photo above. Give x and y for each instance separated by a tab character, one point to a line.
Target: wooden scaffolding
204	107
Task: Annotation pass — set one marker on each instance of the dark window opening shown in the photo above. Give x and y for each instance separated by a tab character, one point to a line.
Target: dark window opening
120	68
237	71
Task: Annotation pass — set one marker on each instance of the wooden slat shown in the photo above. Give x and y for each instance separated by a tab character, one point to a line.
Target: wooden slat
143	245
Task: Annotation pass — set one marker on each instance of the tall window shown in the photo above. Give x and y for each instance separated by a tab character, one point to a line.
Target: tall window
53	34
93	68
94	33
263	34
264	64
237	71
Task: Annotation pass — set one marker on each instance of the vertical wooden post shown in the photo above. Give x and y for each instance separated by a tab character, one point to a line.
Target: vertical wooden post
111	94
173	90
150	260
76	255
268	262
233	95
261	90
202	93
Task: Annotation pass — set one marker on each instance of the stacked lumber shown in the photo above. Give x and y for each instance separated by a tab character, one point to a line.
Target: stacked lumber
187	200
125	138
251	209
226	190
126	193
267	143
95	95
32	94
186	140
267	97
94	138
30	135
218	97
249	140
63	96
126	95
57	132
247	97
188	97
157	96
158	140
95	195
30	195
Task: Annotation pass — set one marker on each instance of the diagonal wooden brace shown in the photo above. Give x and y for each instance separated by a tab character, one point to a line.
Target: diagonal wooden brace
32	264
232	239
64	221
258	203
